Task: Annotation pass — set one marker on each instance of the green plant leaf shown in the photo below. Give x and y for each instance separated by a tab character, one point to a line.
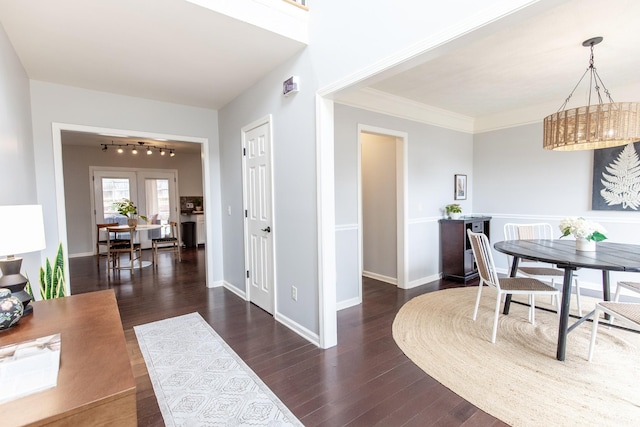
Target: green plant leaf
598	236
52	278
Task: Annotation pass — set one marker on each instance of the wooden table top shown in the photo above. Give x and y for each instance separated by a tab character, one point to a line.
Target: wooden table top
607	256
94	364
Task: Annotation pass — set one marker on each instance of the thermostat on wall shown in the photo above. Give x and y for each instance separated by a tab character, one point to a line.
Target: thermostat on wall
291	85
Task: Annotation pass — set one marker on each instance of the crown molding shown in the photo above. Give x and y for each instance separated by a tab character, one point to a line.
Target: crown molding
385	103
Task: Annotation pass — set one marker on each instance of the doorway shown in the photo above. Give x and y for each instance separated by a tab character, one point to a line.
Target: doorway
258	206
212	255
382	204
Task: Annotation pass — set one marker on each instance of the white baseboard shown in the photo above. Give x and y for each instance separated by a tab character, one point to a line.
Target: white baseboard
305	333
228	286
216	284
423	281
81	254
341	305
380	277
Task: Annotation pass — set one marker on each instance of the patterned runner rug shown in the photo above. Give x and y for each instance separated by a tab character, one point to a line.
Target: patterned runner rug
200	381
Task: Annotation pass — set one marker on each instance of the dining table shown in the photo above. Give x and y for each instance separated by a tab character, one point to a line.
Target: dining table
123	228
608	256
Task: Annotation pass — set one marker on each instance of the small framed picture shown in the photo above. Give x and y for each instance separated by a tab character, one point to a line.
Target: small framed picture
460	187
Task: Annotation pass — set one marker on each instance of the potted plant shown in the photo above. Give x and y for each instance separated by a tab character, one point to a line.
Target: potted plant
198	204
127	208
453	210
586	232
52	280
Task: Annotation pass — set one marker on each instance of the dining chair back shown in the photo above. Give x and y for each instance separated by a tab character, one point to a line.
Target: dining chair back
169	242
628	312
542	271
101	238
504	286
116	248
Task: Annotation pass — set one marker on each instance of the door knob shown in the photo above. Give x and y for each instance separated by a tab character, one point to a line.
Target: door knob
268	229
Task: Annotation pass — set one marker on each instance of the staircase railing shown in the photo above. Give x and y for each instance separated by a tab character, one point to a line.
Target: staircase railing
302	4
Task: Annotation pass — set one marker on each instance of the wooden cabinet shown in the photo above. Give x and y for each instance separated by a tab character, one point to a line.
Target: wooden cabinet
455	249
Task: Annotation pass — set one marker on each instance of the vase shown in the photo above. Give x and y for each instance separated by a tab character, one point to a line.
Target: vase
585	245
11	309
132	222
455	215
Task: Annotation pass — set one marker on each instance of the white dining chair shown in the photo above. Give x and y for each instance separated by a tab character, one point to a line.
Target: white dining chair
628	312
537	270
505	286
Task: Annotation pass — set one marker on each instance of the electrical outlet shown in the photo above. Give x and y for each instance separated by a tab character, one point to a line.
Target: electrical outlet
294	293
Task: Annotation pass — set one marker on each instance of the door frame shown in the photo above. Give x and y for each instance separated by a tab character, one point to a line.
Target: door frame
58	172
266	120
402	144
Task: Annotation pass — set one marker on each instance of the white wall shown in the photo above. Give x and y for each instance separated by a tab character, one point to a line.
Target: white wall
345	39
435	155
77	182
379	206
53	103
515	180
17	167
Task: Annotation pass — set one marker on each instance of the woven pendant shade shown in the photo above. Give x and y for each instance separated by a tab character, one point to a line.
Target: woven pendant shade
593	127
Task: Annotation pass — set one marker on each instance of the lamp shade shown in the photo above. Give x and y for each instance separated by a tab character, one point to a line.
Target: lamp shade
21	229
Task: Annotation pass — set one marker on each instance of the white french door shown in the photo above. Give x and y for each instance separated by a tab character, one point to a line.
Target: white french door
158	201
153	192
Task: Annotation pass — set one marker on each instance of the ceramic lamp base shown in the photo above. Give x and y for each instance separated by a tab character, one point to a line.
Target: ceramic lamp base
14	281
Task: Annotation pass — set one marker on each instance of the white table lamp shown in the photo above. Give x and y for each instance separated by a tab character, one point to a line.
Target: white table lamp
21	231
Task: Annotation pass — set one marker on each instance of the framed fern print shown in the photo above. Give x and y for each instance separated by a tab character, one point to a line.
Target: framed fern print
616	178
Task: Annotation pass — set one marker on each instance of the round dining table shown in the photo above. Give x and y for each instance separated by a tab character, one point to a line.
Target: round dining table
607	257
140	227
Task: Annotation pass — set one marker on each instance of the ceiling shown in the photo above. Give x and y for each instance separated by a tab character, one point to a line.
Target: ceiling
535	62
88	139
185	54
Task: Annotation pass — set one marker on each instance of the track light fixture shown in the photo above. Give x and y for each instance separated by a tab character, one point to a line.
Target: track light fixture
140	146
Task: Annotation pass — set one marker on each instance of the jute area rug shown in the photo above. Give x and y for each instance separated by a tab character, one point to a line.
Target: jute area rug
518	379
200	381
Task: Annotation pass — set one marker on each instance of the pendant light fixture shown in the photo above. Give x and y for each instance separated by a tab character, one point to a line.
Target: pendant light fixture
596	126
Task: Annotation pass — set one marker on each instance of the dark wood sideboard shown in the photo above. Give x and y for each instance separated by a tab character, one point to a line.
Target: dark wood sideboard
456	255
95	382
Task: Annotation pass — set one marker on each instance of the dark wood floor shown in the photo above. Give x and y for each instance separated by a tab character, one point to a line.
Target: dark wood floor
364	381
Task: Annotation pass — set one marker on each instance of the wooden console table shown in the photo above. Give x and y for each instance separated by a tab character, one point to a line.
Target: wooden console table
95	382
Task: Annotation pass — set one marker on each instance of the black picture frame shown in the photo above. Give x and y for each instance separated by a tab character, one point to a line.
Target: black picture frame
460	187
610	192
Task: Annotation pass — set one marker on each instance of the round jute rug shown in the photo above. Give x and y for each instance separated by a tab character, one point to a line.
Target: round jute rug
518	379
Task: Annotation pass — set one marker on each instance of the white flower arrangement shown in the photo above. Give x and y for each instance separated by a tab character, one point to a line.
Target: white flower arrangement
581	228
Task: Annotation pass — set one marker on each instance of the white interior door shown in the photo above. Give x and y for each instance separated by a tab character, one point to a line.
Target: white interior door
259	255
